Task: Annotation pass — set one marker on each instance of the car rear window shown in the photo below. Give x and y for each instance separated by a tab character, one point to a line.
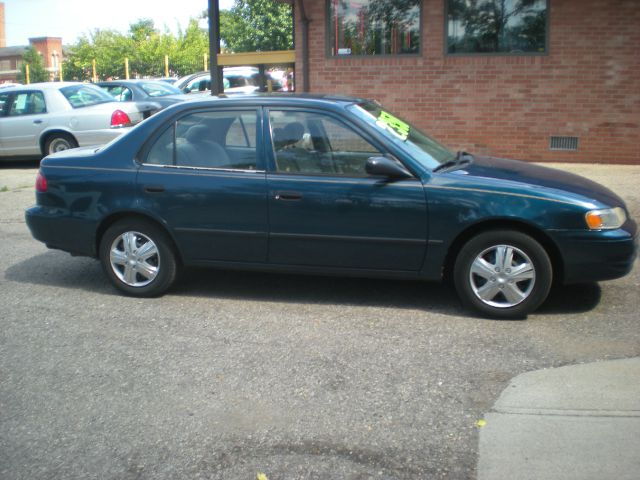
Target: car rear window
80	96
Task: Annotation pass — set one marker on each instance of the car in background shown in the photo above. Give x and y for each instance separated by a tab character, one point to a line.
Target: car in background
43	118
194	82
235	80
151	96
326	185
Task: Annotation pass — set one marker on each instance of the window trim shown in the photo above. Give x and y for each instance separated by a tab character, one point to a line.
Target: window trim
445	40
143	153
328	54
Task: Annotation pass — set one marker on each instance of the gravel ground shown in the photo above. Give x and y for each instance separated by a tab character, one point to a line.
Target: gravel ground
298	377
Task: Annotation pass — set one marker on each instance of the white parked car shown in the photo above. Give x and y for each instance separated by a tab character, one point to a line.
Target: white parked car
43	118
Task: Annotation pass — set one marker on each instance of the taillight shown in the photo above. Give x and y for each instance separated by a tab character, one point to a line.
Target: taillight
120	119
41	183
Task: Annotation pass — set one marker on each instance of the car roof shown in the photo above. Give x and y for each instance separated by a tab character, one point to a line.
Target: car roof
131	81
45	86
283	99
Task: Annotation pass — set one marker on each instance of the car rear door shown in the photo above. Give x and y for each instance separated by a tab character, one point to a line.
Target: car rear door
325	211
213	200
25	117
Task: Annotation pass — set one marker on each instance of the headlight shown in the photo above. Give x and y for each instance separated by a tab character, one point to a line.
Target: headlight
606	219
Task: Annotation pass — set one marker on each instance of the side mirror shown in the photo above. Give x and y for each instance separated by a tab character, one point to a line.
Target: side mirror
385	167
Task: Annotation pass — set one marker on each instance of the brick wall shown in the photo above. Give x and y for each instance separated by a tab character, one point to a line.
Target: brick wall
587	86
47	46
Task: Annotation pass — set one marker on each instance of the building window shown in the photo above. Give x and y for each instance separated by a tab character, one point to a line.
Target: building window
497	26
374	27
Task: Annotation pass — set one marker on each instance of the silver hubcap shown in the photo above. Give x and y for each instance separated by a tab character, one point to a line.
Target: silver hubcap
58	145
502	276
135	259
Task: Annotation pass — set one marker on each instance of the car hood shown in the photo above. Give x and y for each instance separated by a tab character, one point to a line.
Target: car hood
538	179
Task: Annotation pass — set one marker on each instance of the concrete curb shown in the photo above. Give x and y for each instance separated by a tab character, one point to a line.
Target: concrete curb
578	422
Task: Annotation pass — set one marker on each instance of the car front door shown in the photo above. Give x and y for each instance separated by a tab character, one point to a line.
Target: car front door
23	120
325	211
208	187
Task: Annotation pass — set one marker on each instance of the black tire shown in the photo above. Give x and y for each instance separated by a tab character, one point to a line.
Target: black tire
138	258
59	142
503	274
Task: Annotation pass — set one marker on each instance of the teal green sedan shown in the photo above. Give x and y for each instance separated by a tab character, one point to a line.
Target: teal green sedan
326	185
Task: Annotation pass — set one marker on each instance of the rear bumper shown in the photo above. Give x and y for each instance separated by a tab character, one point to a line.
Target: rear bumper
72	235
596	256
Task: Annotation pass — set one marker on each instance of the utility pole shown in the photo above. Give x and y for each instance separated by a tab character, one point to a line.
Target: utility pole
214	47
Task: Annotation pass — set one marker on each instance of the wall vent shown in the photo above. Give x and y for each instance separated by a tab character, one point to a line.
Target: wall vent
564	143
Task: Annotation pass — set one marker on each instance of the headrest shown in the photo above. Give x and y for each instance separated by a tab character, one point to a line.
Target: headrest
197	133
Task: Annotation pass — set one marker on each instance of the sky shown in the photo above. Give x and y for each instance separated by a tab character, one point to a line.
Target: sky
70	19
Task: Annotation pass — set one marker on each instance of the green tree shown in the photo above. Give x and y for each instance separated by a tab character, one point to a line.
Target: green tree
148	48
257	26
107	47
191	46
37	72
144	45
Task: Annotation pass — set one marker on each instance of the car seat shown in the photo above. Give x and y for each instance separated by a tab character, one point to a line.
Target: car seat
200	151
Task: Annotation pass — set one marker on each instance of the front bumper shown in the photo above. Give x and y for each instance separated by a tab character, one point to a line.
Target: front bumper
591	256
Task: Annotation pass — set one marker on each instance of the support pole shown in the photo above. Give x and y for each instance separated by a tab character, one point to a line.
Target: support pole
166	65
94	75
26	74
305	45
214	47
126	68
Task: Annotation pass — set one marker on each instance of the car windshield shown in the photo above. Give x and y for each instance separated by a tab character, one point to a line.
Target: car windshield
157	89
85	95
422	147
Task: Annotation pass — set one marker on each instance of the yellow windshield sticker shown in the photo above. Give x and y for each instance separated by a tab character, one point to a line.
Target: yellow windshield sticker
394	124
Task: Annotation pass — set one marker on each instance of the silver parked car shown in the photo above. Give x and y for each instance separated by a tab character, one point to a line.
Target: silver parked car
43	118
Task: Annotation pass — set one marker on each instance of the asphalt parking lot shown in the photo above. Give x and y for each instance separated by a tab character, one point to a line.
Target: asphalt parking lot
297	377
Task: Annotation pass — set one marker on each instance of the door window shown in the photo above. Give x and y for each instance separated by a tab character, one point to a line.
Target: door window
4	98
314	143
208	140
27	103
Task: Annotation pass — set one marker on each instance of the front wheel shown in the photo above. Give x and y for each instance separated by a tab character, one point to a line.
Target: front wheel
138	258
503	274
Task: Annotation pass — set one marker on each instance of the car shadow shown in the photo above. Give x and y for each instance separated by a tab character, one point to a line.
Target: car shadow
58	269
295	288
25	163
578	298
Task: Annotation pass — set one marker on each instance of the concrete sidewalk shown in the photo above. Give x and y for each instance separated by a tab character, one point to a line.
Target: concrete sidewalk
576	422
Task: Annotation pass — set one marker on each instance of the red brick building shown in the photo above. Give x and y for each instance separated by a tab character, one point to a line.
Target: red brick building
539	80
50	48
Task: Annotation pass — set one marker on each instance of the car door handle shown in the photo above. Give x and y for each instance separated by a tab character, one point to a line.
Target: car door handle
288	196
37	122
154	188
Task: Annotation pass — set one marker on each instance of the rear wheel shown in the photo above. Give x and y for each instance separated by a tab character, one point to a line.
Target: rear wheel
503	274
59	142
138	258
